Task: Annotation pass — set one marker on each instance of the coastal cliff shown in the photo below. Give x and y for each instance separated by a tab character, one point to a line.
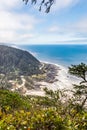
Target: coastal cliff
13	59
20	71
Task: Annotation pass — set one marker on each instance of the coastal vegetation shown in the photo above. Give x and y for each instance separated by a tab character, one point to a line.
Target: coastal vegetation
56	110
51	112
20	71
14	61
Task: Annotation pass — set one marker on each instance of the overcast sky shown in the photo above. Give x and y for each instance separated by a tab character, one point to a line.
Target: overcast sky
24	24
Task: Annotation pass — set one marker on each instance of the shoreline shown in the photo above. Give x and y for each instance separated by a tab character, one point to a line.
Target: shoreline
63	80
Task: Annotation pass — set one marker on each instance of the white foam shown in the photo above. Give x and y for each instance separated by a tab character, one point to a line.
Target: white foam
65	81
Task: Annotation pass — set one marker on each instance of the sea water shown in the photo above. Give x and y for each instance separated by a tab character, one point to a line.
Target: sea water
59	54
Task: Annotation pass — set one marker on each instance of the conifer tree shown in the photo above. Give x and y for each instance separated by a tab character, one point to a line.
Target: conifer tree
81	89
46	3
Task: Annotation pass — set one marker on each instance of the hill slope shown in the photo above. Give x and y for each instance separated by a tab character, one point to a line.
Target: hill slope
13	59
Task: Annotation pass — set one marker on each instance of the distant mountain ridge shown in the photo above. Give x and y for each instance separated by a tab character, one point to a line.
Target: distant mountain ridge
13	59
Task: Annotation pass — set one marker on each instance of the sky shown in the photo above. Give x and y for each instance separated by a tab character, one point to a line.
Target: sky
24	24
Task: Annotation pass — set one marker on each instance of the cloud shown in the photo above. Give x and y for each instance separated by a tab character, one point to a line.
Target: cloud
15	21
14	25
81	25
9	4
61	4
53	29
19	27
71	31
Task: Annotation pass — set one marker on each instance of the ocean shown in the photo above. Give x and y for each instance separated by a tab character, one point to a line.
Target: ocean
59	54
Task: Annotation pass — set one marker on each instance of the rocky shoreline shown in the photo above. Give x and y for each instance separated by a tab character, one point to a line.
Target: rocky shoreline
56	77
51	72
52	77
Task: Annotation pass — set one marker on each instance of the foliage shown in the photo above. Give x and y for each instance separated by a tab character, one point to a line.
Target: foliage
38	117
45	3
16	62
12	100
52	112
79	71
4	82
81	89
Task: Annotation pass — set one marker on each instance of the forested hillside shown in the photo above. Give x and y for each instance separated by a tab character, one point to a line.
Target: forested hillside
13	59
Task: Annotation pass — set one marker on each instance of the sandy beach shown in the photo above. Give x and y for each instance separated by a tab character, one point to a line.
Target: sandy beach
63	80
